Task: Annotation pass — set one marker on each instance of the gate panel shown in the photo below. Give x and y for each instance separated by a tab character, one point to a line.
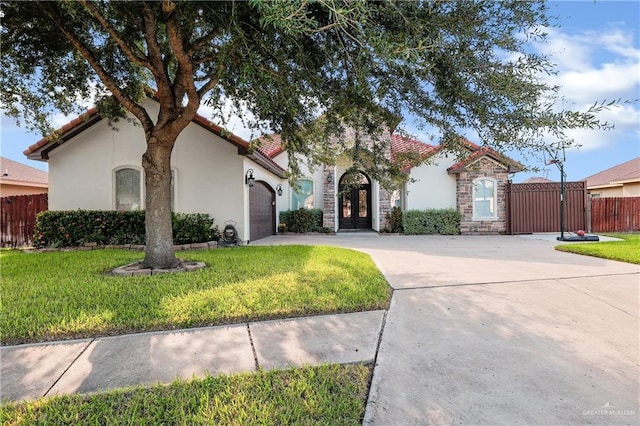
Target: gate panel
535	207
18	217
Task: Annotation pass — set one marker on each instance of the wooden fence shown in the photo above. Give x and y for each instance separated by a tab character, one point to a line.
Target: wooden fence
17	218
615	214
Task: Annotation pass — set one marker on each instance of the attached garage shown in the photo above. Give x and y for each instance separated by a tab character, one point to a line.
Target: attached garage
262	211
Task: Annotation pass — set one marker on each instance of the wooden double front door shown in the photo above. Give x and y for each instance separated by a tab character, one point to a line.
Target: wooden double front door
354	203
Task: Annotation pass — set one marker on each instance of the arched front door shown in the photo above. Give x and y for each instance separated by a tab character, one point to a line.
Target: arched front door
355	203
262	211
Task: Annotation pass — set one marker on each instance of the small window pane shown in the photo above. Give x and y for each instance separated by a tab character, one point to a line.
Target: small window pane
363	209
127	189
302	195
484	198
346	205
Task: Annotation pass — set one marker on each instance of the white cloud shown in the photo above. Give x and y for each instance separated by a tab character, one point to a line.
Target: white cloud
594	67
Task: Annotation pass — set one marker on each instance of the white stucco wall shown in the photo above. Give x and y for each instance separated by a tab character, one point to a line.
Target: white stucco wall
209	173
433	188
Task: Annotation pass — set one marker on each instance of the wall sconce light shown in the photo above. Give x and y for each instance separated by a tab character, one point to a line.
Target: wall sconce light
248	178
279	190
329	177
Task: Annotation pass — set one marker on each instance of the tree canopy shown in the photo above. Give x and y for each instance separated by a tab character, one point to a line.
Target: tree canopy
447	64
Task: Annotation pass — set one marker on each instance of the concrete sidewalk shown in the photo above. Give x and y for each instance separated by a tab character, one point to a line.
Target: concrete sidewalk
91	365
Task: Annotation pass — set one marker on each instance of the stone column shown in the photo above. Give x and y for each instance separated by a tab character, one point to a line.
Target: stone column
329	197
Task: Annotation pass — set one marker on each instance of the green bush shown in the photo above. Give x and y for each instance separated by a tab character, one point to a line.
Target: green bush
71	228
432	221
394	221
193	228
301	220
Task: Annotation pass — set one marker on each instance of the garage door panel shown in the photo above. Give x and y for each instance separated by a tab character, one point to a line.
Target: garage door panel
261	211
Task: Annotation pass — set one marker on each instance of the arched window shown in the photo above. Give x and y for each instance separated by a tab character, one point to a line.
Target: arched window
485	191
302	195
128	189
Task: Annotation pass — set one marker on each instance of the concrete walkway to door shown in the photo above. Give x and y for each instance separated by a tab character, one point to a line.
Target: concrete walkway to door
500	330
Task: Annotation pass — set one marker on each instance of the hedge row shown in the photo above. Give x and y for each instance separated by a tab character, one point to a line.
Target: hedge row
432	221
71	228
301	220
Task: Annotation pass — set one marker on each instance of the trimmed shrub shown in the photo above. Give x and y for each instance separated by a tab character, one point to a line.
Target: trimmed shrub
394	221
301	220
193	228
71	228
432	221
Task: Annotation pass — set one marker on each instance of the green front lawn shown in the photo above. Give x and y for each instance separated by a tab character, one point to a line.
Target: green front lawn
624	251
63	295
325	395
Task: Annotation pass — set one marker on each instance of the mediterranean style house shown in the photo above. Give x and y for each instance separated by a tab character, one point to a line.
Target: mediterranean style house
94	166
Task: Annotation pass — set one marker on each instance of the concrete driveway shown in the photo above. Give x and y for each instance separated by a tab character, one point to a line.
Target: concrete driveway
500	330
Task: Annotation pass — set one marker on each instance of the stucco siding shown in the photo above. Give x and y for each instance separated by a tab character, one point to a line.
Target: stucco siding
433	187
80	170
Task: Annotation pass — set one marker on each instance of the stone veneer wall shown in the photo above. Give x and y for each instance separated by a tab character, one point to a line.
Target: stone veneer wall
329	197
385	207
464	182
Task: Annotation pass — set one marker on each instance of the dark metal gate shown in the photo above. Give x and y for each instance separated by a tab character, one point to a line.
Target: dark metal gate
535	207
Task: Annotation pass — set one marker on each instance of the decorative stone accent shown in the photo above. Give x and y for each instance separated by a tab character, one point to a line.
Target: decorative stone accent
329	197
136	269
464	198
385	207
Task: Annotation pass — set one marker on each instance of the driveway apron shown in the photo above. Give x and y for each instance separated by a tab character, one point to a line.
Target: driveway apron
500	330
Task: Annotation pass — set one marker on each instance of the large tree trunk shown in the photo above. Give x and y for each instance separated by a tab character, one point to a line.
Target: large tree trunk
156	162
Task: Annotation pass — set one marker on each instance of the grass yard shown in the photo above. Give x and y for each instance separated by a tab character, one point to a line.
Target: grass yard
624	251
325	395
64	295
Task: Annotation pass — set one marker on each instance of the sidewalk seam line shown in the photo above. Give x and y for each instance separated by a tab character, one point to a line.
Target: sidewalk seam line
560	280
375	363
253	348
69	367
423	287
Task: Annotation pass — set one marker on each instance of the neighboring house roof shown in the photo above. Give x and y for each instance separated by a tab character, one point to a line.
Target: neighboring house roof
537	179
477	152
616	176
40	150
14	173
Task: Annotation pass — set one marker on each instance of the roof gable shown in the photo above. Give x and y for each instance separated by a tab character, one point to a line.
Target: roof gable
477	152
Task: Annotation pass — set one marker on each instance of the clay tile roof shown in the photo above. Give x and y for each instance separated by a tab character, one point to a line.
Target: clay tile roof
270	145
19	172
404	145
629	171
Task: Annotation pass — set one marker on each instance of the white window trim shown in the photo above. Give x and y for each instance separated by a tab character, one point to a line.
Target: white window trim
495	200
139	169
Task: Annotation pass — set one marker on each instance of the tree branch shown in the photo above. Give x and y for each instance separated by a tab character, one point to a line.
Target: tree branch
107	80
136	57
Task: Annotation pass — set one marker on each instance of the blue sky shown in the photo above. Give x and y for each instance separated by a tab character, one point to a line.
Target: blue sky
597	52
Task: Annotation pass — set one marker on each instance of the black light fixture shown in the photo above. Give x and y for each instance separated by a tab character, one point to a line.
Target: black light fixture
248	178
329	177
279	190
